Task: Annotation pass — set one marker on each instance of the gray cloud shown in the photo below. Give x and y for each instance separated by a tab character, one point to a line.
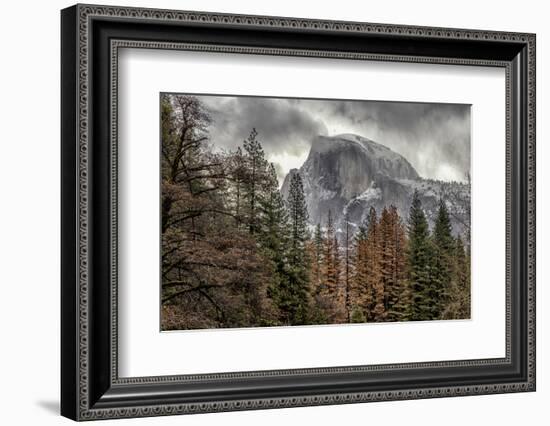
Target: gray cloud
435	138
283	127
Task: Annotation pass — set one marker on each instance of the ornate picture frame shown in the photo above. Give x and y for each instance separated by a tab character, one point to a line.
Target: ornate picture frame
91	37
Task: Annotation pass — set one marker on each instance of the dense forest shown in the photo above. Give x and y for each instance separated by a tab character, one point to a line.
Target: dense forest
235	253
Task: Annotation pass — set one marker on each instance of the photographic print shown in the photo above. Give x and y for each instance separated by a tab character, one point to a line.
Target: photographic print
294	211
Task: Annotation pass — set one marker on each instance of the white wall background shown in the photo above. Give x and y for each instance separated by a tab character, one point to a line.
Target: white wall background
29	225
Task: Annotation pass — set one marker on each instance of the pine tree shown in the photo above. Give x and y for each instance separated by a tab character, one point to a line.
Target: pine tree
340	298
273	233
458	300
362	295
330	287
392	263
444	245
463	274
316	256
373	266
347	270
295	300
329	280
420	264
256	171
317	311
386	230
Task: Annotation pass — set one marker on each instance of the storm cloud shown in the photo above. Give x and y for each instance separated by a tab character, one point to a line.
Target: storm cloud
434	138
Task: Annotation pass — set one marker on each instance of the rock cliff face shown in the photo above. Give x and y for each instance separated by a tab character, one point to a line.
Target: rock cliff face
347	174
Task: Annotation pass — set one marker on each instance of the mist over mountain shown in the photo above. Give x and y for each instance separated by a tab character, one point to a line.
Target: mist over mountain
347	174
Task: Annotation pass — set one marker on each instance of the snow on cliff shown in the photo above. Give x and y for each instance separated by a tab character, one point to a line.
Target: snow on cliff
348	174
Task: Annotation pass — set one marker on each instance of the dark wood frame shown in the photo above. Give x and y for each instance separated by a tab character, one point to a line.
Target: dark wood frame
90	386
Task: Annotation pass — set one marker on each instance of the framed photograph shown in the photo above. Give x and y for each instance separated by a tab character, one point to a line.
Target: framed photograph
263	212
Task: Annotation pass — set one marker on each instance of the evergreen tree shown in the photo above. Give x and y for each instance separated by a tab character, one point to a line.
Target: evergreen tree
330	288
273	236
340	299
424	304
329	275
256	171
392	261
347	270
444	245
362	293
295	299
315	246
316	256
458	300
386	229
375	285
463	274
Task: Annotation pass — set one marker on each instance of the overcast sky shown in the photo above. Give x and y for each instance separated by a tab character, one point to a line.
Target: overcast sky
434	138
